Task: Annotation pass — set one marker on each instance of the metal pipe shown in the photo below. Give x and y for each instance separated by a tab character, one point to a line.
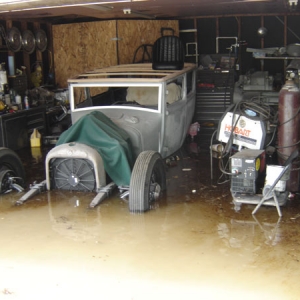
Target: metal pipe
224	37
288	28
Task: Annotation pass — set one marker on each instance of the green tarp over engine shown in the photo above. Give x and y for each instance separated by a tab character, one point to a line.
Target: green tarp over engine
112	143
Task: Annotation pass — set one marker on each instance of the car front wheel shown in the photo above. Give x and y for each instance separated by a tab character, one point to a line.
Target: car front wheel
148	181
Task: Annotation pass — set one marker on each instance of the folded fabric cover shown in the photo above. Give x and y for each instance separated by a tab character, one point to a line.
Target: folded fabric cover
112	143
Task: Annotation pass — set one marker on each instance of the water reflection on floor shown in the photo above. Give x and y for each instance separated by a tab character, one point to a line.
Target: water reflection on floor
193	245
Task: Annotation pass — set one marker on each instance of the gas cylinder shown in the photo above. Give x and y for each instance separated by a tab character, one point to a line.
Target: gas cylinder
289	128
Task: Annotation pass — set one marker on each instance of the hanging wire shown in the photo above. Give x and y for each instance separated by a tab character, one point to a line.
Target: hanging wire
272	138
285	122
293	117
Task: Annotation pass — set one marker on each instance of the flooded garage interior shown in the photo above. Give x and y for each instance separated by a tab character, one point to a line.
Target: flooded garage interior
192	245
130	78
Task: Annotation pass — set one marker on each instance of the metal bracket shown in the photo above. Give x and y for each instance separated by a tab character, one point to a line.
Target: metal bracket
35	189
102	194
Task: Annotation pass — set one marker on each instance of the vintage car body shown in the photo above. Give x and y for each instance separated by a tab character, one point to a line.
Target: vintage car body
167	101
154	108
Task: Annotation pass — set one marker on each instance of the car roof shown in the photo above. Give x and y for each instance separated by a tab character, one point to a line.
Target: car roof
130	73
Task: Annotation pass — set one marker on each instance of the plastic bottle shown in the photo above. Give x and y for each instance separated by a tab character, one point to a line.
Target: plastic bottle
35	138
18	99
26	101
12	95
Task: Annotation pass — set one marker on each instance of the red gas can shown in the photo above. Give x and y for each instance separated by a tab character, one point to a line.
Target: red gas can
289	129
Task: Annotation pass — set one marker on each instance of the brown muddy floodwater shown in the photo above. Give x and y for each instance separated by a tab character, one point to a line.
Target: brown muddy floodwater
193	245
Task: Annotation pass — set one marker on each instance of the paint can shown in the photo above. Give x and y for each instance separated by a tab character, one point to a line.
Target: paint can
272	173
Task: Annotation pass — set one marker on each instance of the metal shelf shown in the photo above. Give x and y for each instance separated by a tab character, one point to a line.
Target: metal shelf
188	30
279	58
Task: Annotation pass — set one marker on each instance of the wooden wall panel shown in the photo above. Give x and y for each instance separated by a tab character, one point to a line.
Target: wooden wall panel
100	47
67	48
133	33
81	47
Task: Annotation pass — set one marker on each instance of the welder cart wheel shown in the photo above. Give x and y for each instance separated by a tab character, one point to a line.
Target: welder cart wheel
9	160
148	181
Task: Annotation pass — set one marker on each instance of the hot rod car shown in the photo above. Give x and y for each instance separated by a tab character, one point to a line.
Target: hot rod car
126	120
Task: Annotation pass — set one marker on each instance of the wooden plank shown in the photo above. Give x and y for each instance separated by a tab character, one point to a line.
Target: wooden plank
133	71
9	24
50	52
82	46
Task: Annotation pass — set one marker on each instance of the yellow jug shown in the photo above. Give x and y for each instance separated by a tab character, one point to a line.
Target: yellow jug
35	138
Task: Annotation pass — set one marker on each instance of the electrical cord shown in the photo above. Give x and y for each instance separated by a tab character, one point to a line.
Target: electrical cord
295	162
219	158
293	117
293	145
223	170
262	112
265	113
233	125
285	122
272	138
223	174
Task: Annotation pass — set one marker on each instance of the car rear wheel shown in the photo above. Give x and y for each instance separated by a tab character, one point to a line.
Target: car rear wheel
148	181
6	181
10	166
